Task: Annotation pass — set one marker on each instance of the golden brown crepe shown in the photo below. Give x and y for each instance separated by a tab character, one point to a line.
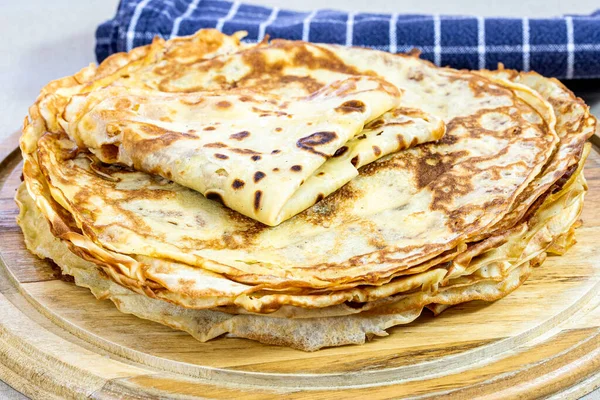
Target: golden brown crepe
495	274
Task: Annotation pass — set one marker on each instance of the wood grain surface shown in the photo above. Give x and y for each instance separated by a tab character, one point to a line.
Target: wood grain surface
57	340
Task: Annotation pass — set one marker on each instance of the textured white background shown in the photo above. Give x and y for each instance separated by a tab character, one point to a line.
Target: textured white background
44	40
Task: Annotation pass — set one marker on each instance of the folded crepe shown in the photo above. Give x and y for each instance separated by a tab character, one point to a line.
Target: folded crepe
267	149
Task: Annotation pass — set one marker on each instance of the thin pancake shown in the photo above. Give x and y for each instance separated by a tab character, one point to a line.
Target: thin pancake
495	145
268	129
303	334
308	335
203	289
265	156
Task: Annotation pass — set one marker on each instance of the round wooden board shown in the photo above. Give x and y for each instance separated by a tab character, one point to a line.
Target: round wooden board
57	340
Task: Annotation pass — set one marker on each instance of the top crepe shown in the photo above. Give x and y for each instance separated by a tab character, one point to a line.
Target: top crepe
401	210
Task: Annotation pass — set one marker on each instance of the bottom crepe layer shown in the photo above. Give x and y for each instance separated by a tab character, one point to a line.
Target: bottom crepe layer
489	276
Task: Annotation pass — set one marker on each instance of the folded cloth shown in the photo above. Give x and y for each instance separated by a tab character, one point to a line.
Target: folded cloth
563	47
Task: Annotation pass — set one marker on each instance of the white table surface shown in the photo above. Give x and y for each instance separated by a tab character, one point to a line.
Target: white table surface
47	39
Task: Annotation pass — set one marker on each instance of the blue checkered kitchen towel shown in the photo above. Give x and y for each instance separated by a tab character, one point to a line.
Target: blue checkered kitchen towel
564	47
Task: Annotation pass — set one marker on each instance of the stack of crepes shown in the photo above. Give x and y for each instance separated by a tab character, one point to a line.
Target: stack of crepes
298	194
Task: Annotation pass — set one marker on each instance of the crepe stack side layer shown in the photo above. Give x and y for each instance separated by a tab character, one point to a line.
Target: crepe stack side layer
306	329
390	185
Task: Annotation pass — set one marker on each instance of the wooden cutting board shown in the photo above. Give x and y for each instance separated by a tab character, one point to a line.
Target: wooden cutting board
57	340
